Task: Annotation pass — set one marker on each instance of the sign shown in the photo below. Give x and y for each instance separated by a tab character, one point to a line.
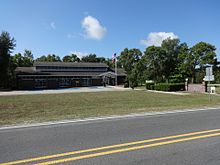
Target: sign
209	71
209	78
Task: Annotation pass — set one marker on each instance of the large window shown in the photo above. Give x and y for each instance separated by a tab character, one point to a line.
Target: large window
64	82
40	83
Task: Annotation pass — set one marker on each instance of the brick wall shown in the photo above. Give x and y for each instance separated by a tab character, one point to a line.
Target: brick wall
200	88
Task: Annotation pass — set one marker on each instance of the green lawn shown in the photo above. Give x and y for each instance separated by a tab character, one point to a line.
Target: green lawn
217	90
48	107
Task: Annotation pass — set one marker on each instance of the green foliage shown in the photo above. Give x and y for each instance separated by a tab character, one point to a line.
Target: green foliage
71	58
154	63
129	57
7	44
176	78
170	61
150	86
109	62
49	58
173	62
93	58
169	87
200	54
130	60
25	60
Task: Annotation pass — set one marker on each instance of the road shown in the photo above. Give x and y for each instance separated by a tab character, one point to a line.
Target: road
191	138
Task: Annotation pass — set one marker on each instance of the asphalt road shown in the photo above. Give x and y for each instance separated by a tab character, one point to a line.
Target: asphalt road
195	141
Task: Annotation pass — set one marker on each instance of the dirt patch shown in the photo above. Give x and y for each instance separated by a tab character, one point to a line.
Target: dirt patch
7	106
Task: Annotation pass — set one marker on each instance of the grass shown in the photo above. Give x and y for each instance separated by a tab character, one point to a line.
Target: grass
49	107
142	87
217	90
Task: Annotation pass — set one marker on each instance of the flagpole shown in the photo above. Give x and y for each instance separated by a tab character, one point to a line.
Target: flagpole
116	72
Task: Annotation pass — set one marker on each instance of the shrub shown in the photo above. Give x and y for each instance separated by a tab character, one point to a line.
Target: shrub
150	86
126	85
170	87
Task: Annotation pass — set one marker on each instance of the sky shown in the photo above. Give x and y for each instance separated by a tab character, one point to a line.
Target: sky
105	27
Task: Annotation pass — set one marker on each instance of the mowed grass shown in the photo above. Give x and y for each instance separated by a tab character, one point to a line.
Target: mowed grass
50	107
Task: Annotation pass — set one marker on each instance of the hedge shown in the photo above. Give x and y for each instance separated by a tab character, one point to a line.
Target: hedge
150	86
170	87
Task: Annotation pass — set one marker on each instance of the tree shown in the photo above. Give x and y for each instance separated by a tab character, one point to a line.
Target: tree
154	63
129	59
71	58
183	68
93	58
109	62
53	58
25	60
41	59
171	48
89	58
7	44
49	58
200	54
101	59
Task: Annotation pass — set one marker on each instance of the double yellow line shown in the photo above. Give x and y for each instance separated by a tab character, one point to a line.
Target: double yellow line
90	153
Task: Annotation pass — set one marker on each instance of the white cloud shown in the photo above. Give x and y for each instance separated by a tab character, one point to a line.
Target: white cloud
79	54
156	38
93	28
52	25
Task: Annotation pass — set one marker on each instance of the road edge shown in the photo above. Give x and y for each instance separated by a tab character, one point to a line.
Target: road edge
103	118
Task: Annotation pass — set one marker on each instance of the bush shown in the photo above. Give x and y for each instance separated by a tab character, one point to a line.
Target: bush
170	87
126	85
150	86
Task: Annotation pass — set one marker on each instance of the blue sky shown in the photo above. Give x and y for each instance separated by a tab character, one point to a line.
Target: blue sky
103	27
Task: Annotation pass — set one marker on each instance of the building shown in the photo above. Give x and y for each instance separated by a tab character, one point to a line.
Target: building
52	75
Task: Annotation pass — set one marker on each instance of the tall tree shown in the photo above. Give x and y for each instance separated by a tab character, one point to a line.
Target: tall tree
7	44
171	47
28	58
129	59
200	54
155	64
184	65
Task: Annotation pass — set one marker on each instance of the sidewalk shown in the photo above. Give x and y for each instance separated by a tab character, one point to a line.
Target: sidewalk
172	93
65	90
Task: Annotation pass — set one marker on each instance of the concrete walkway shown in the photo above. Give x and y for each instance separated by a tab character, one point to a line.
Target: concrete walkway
66	90
172	93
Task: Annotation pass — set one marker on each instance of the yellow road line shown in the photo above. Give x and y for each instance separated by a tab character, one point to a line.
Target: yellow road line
106	147
126	149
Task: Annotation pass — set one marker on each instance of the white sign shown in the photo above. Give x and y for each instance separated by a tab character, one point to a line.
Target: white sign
209	78
209	71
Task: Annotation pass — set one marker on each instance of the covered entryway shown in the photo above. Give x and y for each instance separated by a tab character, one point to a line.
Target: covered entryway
108	78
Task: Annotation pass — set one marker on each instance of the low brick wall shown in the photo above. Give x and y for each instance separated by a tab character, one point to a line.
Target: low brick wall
200	88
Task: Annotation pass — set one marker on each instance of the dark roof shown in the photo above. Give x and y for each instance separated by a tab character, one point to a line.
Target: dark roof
120	71
26	69
75	73
54	74
71	64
